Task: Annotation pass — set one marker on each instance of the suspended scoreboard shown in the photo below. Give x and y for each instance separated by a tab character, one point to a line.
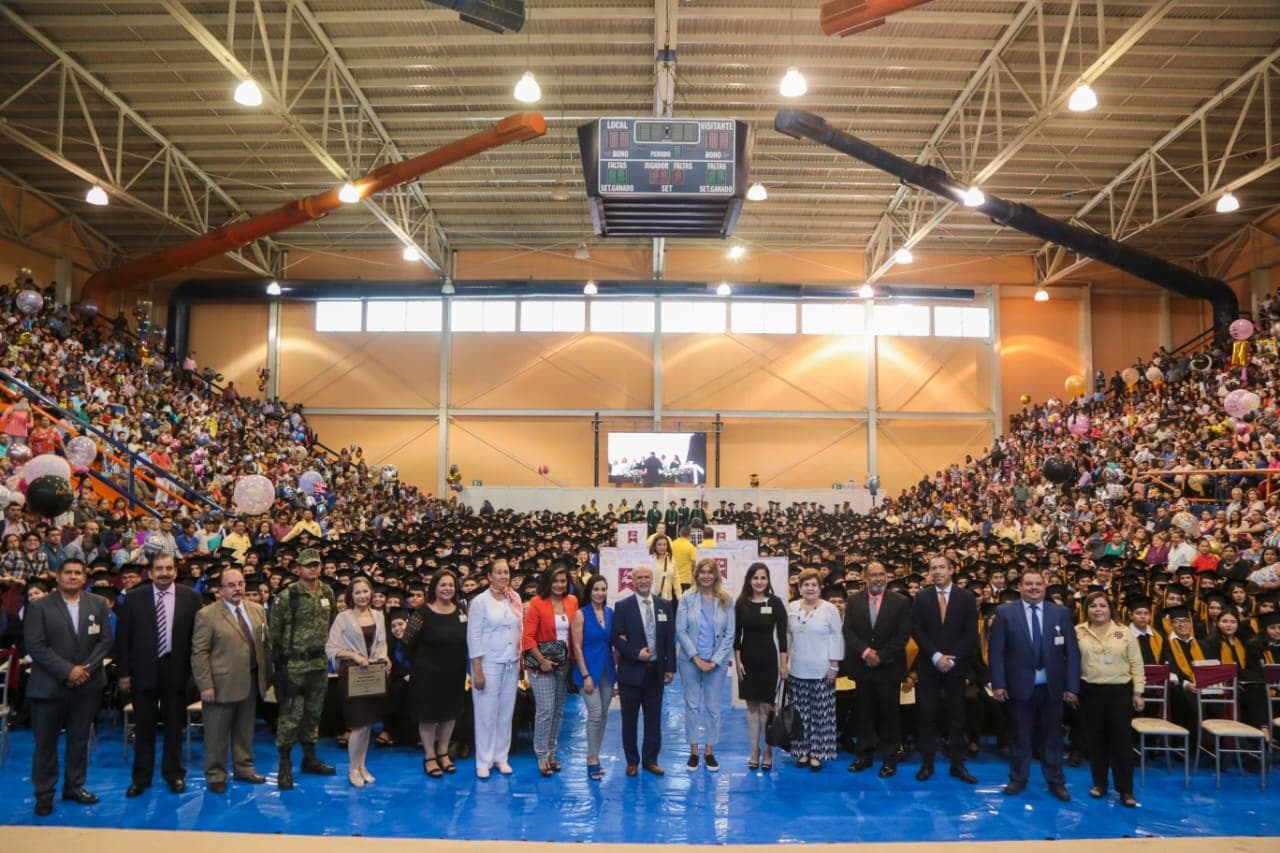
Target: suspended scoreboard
663	177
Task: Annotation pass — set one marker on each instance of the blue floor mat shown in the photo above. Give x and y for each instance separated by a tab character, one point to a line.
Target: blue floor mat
734	806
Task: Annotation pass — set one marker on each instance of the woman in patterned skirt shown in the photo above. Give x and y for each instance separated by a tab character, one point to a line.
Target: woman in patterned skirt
815	644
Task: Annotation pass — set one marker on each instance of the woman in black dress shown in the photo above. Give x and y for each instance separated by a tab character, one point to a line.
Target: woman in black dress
760	651
436	640
358	638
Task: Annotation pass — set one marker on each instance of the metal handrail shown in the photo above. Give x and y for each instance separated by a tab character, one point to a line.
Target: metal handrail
1167	479
69	422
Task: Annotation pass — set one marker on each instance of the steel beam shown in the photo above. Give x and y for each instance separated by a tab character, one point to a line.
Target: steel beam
988	83
1140	179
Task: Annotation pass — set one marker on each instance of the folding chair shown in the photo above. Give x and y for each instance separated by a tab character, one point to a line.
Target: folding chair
8	667
1271	679
195	717
1157	694
1216	687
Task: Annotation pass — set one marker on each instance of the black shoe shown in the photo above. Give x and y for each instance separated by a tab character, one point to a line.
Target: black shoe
252	779
81	796
925	773
862	762
178	785
44	806
316	767
221	787
1014	788
959	771
1060	791
136	790
888	771
1074	759
710	760
692	763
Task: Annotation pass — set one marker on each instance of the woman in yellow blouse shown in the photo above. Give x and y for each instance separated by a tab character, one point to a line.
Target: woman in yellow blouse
1111	683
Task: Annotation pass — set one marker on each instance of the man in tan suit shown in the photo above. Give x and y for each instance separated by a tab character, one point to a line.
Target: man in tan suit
230	658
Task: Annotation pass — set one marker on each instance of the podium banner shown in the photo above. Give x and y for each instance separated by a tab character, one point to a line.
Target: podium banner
617	564
722	533
633	535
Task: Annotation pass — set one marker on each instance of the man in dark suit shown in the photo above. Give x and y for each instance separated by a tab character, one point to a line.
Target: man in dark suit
644	633
1035	667
68	636
877	625
944	622
153	652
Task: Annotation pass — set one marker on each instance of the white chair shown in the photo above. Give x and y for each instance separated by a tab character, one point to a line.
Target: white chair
1216	688
1157	694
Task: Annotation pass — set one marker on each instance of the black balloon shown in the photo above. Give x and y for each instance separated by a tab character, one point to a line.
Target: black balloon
49	496
1058	470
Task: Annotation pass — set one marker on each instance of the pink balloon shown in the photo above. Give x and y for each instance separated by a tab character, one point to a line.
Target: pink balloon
1235	403
1078	425
1241	329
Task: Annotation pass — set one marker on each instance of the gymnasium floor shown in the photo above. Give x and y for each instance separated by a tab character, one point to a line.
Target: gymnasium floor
734	806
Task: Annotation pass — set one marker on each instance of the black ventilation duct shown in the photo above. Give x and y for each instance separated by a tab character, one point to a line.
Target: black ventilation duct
499	16
1022	218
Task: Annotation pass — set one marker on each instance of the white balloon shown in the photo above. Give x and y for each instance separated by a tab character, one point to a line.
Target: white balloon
81	451
46	465
254	494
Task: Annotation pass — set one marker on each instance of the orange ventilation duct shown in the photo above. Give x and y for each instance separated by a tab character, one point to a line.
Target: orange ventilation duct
846	17
513	128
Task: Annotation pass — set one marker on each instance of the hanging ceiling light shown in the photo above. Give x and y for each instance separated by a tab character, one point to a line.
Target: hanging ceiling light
1227	204
973	197
411	253
349	194
724	289
248	94
447	287
793	84
527	90
866	291
1042	295
582	253
903	256
273	288
590	289
757	192
97	196
1083	99
737	251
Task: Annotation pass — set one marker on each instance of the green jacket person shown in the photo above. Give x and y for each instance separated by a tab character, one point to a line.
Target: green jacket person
299	625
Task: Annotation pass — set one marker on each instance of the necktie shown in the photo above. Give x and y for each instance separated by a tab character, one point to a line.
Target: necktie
650	638
875	609
248	635
1036	644
942	606
162	625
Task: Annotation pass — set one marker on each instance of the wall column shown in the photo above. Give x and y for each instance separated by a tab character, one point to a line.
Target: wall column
997	383
873	415
1166	321
442	406
273	349
1086	336
62	273
657	364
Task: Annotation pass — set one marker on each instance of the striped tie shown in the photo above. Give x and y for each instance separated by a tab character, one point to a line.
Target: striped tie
162	625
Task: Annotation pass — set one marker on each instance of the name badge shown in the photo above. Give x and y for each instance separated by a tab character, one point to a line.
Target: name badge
1059	640
324	602
1106	659
462	617
766	610
94	629
662	617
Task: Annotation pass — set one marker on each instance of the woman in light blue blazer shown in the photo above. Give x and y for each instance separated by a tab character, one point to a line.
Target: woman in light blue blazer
704	646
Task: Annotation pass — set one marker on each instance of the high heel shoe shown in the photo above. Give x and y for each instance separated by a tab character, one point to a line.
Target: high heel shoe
354	777
544	768
594	772
367	776
433	771
447	768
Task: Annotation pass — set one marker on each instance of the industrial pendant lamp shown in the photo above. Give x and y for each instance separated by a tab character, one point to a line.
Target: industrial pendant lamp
1227	204
248	94
97	196
527	90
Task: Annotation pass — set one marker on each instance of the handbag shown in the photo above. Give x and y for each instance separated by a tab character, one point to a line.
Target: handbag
784	724
556	651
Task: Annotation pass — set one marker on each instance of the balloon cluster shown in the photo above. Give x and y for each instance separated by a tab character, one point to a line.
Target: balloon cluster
390	472
1059	470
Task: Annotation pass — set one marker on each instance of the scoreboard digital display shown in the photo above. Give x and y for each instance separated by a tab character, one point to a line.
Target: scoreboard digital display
663	156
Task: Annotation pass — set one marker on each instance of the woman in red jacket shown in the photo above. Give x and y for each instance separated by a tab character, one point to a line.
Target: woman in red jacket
545	647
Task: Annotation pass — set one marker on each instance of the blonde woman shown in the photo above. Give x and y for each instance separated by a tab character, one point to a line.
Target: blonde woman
704	644
665	581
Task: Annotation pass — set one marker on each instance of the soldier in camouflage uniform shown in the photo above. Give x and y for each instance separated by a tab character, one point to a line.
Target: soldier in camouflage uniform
299	623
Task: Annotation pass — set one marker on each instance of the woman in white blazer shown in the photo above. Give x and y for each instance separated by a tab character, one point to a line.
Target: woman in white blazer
358	638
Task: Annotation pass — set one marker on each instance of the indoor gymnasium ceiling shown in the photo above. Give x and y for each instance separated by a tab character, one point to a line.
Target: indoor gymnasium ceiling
137	95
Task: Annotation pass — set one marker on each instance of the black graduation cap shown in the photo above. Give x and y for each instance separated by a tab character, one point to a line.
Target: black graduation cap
1180	611
1138	602
1266	620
